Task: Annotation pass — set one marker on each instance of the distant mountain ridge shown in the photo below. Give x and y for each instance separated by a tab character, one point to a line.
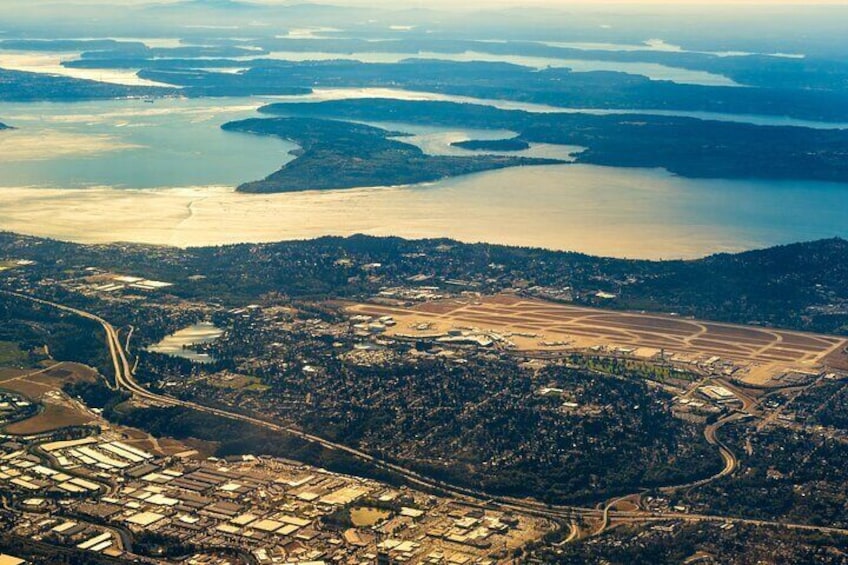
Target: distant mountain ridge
293	8
225	4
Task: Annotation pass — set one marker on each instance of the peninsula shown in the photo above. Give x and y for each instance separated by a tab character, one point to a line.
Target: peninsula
688	147
337	154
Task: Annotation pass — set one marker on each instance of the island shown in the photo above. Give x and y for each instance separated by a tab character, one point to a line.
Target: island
514	144
492	81
22	86
688	147
337	155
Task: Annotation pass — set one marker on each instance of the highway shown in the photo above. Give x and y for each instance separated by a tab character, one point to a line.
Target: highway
124	379
731	462
605	519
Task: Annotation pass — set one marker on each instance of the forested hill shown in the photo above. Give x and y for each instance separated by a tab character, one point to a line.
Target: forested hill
689	147
22	86
338	154
801	286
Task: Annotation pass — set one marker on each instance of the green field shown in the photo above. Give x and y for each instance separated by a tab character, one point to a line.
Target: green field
11	355
238	382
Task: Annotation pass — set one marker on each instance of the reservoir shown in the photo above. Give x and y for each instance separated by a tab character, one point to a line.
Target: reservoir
179	343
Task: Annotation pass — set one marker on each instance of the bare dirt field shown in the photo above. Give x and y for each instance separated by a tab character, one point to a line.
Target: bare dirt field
54	416
6	373
45	387
36	382
534	325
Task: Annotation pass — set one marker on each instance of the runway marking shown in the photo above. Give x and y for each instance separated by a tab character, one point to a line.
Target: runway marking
588	327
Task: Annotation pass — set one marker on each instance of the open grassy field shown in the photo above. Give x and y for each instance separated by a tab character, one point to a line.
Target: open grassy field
535	325
36	382
235	381
11	355
44	385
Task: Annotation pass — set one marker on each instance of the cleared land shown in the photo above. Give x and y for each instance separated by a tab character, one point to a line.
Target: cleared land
54	416
45	387
534	325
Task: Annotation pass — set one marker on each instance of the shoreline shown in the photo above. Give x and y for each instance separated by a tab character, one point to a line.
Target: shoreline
221	216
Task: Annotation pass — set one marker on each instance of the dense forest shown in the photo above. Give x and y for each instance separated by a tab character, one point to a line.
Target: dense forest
338	154
685	146
505	81
21	86
799	286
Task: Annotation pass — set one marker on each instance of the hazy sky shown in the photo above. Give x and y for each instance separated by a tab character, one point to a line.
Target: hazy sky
473	3
658	6
564	3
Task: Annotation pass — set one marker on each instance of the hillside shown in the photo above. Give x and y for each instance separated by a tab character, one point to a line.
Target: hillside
801	286
492	144
688	147
20	86
345	155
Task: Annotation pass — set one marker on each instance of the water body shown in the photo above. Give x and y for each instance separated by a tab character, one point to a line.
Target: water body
133	144
661	46
434	140
316	32
46	62
179	343
51	62
653	71
327	94
604	211
164	173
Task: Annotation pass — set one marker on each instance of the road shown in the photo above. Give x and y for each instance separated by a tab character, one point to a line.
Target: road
731	462
605	519
124	379
794	396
